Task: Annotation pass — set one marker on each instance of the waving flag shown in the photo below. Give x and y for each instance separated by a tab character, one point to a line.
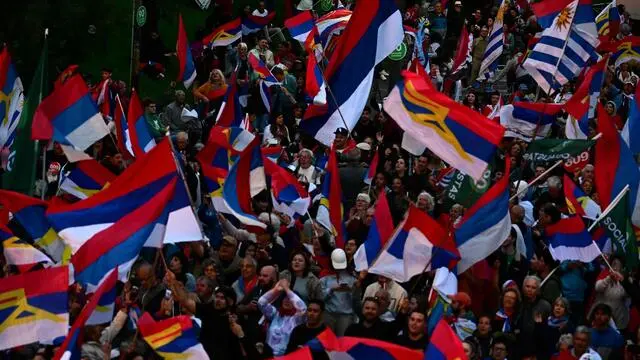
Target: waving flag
578	202
371	35
187	68
252	24
314	84
86	178
569	240
234	139
582	104
261	69
631	131
244	180
138	184
358	349
302	28
173	338
458	135
225	34
563	50
608	21
332	23
373	167
380	232
11	99
418	243
30	213
330	212
71	347
444	344
141	139
69	116
546	12
106	306
495	44
288	195
463	56
122	131
118	246
20	253
231	113
625	50
616	167
521	119
486	225
34	307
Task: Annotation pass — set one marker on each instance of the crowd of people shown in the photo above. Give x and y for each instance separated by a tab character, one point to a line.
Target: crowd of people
265	294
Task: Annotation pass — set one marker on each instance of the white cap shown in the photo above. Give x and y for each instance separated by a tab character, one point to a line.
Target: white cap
339	259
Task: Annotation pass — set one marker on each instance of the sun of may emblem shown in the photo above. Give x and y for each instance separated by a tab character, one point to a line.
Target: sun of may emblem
564	18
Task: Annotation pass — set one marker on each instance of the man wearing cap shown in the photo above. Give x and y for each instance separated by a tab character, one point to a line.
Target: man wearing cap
342	143
227	258
338	291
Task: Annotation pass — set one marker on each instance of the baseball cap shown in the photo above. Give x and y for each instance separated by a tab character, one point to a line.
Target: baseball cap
339	259
341	131
230	239
458	3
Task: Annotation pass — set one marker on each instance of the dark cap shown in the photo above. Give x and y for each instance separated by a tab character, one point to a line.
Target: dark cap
341	131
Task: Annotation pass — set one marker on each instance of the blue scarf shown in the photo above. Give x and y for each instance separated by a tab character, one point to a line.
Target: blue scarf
557	322
506	327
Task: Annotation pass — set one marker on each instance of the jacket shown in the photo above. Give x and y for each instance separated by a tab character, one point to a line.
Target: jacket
313	286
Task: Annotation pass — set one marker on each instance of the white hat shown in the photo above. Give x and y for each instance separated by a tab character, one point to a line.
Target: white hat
339	259
364	146
364	196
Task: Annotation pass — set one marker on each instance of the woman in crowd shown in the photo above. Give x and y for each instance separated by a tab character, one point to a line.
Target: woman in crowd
301	280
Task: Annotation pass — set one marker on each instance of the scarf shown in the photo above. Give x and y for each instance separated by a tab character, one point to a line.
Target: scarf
501	314
557	322
246	288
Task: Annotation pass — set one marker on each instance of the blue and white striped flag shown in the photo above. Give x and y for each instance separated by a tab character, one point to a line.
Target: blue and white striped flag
565	49
495	45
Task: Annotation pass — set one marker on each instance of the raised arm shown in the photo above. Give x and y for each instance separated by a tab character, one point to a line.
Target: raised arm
179	293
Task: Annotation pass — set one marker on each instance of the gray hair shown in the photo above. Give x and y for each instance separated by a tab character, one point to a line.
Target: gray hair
566	339
179	92
532	278
243	46
206	281
554	182
583	330
587	167
182	136
427	197
306	151
252	260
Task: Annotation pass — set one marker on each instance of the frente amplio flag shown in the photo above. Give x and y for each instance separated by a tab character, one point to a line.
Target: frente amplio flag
33	307
458	135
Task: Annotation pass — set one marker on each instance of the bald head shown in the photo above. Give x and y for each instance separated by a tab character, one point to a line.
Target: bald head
146	276
268	276
517	214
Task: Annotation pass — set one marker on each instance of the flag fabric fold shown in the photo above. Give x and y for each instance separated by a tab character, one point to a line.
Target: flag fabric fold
173	338
330	212
187	68
380	232
569	240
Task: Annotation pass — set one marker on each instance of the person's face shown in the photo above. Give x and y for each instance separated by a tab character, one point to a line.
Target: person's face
416	323
202	290
499	351
495	99
145	276
484	326
117	160
370	311
151	108
457	8
467	349
220	302
350	247
369	217
380	180
484	32
515	150
264	45
175	265
587	173
587	187
297	112
215	76
509	300
397	185
180	98
471	98
438	8
530	289
609	108
210	272
314	314
248	270
286	304
266	275
361	204
227	251
383	280
422	203
280	120
628	88
261	5
455	212
580	342
298	263
304	159
559	309
401	165
477	14
242	51
601	318
340	141
366	114
540	170
104	75
616	265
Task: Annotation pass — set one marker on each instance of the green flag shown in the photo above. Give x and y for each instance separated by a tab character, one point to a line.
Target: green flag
617	224
464	190
556	149
21	168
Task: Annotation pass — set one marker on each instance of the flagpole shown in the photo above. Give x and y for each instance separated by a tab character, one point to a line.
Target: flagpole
133	25
326	84
612	205
37	143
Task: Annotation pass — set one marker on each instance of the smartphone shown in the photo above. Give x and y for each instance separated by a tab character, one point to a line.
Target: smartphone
167	294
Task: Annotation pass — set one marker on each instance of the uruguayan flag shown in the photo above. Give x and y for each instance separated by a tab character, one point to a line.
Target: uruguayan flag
494	46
